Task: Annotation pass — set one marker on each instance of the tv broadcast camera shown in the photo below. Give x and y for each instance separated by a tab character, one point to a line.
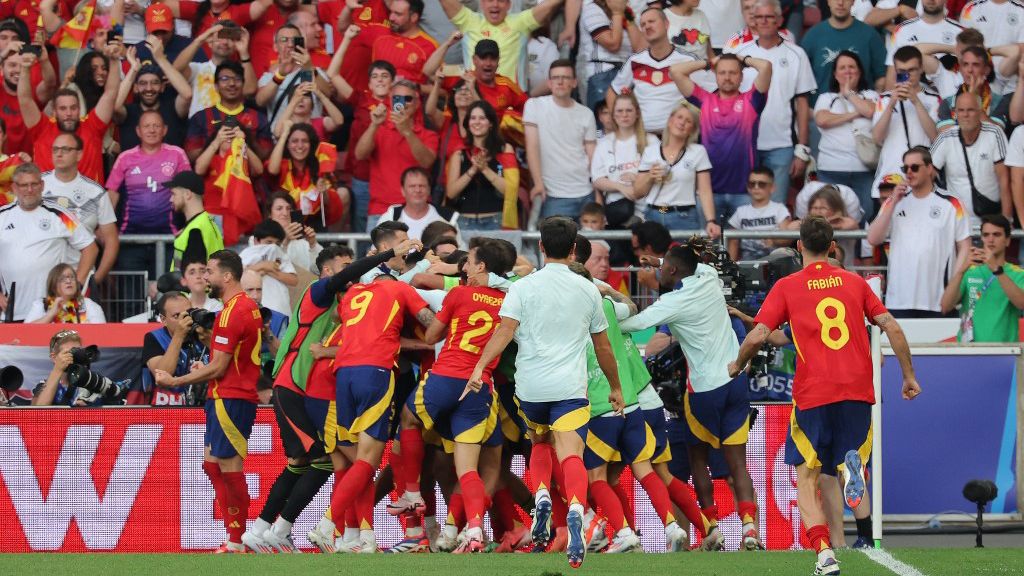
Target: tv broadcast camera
80	376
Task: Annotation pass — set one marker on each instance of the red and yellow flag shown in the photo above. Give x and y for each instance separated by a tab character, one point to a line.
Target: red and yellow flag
7	166
238	201
76	31
327	156
510	206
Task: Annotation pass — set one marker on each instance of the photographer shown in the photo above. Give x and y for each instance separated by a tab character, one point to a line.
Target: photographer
71	383
174	348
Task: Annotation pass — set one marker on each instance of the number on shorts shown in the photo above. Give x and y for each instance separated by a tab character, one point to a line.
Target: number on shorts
837	322
360	302
482	323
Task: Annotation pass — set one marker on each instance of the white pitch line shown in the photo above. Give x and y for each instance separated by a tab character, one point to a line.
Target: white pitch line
885	559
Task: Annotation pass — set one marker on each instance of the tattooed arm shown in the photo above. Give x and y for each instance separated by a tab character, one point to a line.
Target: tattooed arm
751	344
898	343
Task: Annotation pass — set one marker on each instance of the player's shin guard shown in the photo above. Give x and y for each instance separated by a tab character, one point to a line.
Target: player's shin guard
605	497
575	480
281	491
305	490
627	506
457	510
541	458
819	537
658	494
682	496
354	483
237	509
412	458
475	498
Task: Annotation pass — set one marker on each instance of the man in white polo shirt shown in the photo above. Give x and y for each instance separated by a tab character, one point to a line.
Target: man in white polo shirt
35	236
646	73
553	314
86	199
783	132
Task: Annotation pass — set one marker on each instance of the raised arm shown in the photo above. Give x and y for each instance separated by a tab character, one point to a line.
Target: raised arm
680	73
436	60
543	11
30	112
451	7
343	88
104	109
764	72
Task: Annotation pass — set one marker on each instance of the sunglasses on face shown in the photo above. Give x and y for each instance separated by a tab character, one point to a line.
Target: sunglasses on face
908	168
758	184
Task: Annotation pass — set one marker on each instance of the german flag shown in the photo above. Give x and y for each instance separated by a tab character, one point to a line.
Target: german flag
76	31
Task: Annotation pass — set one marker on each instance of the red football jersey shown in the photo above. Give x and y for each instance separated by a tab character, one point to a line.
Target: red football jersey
237	331
407	55
826	307
372	316
471	313
321	382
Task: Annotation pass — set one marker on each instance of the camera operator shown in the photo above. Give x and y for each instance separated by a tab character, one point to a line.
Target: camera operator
175	348
71	383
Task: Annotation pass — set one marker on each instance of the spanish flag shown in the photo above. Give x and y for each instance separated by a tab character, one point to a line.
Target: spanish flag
7	166
510	207
76	31
327	156
238	201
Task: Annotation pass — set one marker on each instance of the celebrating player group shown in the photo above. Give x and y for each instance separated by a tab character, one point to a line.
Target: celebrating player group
491	365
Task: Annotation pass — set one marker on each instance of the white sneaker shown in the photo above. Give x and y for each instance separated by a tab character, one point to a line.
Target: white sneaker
256	543
676	538
282	544
433	533
407	503
367	542
322	541
597	538
714	541
342	546
446	541
625	542
826	564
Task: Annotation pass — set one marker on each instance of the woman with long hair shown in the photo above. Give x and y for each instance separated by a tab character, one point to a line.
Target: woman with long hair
616	161
842	114
300	240
64	302
675	176
483	177
609	36
450	120
298	172
91	78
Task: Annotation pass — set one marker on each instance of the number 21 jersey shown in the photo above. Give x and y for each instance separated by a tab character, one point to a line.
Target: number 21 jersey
826	307
472	317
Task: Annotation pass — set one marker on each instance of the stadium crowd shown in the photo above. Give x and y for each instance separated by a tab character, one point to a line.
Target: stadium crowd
258	125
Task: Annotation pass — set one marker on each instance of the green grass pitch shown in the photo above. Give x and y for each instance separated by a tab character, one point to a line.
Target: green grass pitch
931	562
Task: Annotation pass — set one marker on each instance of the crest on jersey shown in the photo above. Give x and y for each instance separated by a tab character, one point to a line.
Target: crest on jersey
44	224
935	212
947	37
784	62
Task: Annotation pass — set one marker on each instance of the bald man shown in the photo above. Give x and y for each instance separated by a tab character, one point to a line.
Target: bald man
599	264
274	323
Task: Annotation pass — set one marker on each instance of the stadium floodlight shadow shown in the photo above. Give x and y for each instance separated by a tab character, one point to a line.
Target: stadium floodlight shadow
981	492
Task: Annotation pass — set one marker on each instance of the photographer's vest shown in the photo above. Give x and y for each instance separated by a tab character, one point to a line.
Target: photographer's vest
170	396
299	334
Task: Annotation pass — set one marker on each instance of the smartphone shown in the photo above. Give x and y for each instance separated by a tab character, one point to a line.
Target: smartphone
230	122
398	103
978	243
297	217
305	76
299	41
32	49
902	77
230	30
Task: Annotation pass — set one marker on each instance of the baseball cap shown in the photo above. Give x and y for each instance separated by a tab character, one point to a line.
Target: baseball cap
16	26
159	18
188	180
487	48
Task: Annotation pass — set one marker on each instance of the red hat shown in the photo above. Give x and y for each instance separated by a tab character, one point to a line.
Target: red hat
159	18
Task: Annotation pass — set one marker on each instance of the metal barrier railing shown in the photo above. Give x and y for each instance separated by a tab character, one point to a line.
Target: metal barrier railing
123	294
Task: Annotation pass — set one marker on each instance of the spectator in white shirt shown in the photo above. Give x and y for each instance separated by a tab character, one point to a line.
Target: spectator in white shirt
607	41
932	27
928	234
617	160
689	29
784	129
193	280
300	242
417	212
560	138
221	49
266	257
64	302
971	154
35	236
1015	161
760	214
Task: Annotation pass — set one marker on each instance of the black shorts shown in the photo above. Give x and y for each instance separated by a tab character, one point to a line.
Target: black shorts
298	432
405	385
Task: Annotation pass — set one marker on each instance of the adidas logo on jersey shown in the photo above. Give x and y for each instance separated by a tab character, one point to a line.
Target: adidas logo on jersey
10	226
136	170
901	213
982	19
913	40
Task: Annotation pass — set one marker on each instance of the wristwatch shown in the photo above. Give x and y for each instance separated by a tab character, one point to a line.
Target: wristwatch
998	271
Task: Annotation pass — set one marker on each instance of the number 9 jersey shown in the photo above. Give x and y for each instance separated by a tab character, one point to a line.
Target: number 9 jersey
471	313
826	307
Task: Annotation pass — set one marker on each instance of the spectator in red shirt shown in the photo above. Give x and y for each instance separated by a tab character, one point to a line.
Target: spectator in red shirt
313	34
68	118
402	43
338	14
394	144
294	68
204	15
265	29
499	91
10	65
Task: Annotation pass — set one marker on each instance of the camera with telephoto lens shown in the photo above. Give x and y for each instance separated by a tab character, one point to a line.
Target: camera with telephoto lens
80	376
668	370
202	317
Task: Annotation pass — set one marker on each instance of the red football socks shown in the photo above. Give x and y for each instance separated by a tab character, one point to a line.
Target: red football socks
747	512
541	458
682	495
474	497
364	505
503	514
354	483
658	494
236	510
605	497
575	480
457	510
818	535
213	472
412	458
627	505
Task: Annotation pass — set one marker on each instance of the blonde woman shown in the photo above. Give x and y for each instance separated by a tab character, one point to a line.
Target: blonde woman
616	161
674	176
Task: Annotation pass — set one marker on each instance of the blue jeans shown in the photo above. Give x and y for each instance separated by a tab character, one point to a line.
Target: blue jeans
372	220
779	161
859	182
360	204
597	86
568	207
726	205
469	222
674	220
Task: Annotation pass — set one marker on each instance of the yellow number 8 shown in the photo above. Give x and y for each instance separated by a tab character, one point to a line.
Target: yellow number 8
829	322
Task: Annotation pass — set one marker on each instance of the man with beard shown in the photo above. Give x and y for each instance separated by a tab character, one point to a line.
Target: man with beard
231	397
932	27
499	91
841	31
229	78
43	78
151	93
201	74
404	44
67	117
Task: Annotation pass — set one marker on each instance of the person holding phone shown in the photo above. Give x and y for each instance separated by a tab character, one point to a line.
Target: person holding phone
294	68
201	74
